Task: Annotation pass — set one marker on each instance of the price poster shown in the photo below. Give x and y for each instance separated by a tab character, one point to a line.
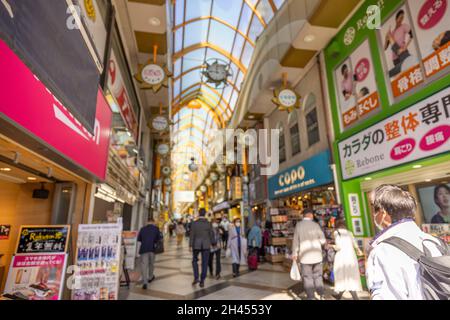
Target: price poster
402	61
5	230
357	90
130	243
98	262
37	276
43	239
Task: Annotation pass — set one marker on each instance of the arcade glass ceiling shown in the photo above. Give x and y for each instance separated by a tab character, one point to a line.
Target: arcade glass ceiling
205	30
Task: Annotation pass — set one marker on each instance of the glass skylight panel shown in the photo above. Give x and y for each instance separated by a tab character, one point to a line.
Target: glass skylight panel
238	45
245	19
227	10
179	12
221	35
265	9
177	68
247	54
191	79
195	32
256	28
279	3
193	59
176	88
197	8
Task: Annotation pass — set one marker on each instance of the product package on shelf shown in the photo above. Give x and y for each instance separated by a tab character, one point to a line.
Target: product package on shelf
327	217
438	230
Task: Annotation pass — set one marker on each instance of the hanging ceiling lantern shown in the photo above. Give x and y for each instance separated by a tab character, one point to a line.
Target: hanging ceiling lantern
199	193
194	105
208	182
203	189
193	166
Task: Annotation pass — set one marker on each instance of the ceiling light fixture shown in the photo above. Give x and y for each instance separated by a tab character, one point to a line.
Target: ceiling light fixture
31	178
428	180
251	117
309	38
418	166
154	21
5	169
368	179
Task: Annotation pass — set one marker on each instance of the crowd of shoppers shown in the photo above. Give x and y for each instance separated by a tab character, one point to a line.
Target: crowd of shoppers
395	269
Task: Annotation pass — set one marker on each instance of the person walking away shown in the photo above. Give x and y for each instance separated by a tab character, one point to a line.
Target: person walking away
255	242
237	245
307	248
148	236
391	273
180	231
200	242
225	224
345	267
215	251
266	238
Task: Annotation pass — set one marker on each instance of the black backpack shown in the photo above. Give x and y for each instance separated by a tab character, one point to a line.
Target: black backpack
434	271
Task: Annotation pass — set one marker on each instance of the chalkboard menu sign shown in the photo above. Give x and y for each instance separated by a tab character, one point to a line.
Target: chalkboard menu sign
43	239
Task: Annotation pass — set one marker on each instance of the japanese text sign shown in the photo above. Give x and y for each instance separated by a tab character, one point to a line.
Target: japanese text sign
40	239
420	131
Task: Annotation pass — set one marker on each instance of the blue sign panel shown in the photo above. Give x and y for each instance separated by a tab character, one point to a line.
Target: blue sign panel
311	173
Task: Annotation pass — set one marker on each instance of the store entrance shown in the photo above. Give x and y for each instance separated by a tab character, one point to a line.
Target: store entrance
430	185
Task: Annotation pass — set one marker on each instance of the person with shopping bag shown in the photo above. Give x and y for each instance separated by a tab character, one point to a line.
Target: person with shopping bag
345	267
237	246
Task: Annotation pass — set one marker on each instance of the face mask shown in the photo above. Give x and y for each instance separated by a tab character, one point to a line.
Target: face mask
380	225
238	224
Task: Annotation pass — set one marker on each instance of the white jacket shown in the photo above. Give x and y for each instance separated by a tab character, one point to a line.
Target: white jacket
391	274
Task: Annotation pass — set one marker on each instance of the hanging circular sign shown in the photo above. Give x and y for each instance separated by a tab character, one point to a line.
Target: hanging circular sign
163	149
166	171
288	98
160	123
214	176
203	189
193	167
167	182
199	193
208	182
153	74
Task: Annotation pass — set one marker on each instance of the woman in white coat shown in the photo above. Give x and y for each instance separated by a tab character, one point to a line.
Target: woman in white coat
237	246
345	268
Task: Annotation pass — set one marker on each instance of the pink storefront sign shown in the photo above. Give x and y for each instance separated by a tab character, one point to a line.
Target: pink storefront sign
26	100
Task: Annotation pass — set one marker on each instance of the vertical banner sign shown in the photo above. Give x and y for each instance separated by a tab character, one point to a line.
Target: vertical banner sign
402	62
421	131
357	90
117	86
354	205
37	276
431	20
98	262
40	239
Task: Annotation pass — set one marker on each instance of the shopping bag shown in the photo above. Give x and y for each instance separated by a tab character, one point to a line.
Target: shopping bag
295	272
228	253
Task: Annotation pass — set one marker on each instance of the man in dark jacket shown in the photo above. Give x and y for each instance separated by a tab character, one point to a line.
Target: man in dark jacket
201	240
148	237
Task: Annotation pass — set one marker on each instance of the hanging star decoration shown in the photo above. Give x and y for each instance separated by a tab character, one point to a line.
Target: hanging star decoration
153	76
286	98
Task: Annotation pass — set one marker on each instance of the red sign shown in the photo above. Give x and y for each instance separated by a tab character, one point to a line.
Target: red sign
25	100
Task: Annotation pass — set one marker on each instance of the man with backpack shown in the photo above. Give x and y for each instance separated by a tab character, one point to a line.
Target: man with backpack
404	263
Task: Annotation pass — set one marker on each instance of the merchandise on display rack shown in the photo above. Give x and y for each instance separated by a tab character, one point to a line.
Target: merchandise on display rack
98	262
129	239
278	236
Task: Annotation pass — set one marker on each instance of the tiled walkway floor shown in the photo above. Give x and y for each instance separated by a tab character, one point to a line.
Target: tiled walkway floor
174	275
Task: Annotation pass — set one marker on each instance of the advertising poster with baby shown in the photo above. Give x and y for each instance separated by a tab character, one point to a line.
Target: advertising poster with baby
431	20
402	62
357	91
37	276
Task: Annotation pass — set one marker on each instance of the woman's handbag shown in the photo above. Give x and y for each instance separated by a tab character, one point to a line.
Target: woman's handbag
295	272
228	253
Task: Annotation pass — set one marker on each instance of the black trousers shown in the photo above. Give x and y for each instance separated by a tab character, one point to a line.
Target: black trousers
236	269
215	254
205	261
312	279
225	240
